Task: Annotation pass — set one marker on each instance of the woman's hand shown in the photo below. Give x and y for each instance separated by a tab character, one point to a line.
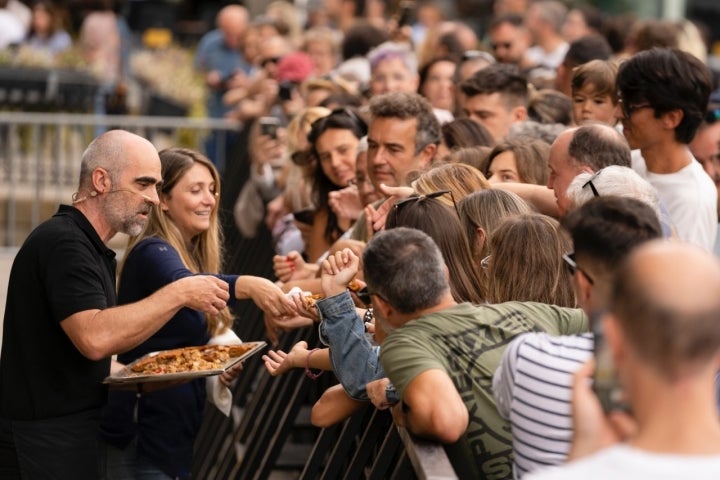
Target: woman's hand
266	295
346	203
292	267
303	309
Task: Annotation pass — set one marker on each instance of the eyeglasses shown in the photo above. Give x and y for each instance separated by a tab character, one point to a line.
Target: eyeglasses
420	198
628	109
591	184
266	61
571	264
364	295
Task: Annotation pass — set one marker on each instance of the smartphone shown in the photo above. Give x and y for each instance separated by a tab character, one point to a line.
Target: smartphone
407	11
305	216
285	91
269	126
605	380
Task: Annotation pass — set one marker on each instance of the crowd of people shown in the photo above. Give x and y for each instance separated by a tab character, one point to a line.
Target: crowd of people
490	219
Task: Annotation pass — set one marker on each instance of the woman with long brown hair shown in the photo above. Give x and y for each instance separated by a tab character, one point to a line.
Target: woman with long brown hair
154	432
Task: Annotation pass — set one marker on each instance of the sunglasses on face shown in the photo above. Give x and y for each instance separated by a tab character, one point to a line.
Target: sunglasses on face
572	266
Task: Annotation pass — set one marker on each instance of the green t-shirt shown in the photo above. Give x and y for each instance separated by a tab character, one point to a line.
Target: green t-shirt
467	342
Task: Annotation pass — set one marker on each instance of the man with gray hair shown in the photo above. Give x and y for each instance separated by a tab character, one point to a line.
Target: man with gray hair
584	149
61	324
544	21
612	181
403	138
441	355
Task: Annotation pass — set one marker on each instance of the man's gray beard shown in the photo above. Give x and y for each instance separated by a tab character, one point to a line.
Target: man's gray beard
121	221
133	228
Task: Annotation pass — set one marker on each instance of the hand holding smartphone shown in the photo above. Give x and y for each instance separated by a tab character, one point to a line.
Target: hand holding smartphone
269	126
605	380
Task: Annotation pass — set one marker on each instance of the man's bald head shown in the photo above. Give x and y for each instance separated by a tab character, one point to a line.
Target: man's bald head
598	146
110	152
232	21
666	302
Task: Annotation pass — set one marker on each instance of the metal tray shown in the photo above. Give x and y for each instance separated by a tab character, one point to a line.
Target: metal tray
126	375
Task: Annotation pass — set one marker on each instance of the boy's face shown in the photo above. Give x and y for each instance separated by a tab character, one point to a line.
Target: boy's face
590	105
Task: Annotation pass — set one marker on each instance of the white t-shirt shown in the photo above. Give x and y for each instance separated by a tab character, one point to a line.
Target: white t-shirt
539	57
625	462
533	389
690	197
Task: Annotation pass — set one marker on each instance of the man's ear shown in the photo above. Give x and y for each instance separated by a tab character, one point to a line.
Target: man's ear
100	180
427	154
585	290
614	337
519	114
384	309
672	118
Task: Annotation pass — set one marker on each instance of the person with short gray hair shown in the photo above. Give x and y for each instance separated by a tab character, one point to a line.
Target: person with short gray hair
393	68
614	180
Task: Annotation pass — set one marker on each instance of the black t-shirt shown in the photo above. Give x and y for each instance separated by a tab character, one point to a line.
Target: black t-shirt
62	268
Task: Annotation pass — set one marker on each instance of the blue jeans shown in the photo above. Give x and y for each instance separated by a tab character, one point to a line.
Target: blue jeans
353	358
125	464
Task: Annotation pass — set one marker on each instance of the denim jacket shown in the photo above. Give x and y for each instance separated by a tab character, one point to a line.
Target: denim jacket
353	358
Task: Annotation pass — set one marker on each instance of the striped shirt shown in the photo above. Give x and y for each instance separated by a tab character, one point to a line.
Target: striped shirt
533	389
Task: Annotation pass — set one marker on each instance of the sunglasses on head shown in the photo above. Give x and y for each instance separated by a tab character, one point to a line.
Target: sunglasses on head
421	198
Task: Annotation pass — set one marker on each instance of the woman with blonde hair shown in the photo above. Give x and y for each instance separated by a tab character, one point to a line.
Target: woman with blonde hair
526	262
459	178
154	432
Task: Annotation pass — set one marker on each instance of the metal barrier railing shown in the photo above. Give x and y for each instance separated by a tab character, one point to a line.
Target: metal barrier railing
40	157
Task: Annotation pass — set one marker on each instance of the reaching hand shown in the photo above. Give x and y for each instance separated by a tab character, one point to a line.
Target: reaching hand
228	376
338	270
394	194
346	202
291	267
278	362
303	309
270	298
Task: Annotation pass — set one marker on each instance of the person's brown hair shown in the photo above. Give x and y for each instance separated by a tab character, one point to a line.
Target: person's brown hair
598	73
486	209
531	156
526	262
442	224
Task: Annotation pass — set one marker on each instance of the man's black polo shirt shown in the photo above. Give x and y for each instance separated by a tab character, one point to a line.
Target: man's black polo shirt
62	268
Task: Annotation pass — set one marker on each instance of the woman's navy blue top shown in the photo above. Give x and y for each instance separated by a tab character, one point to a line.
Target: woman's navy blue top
167	420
